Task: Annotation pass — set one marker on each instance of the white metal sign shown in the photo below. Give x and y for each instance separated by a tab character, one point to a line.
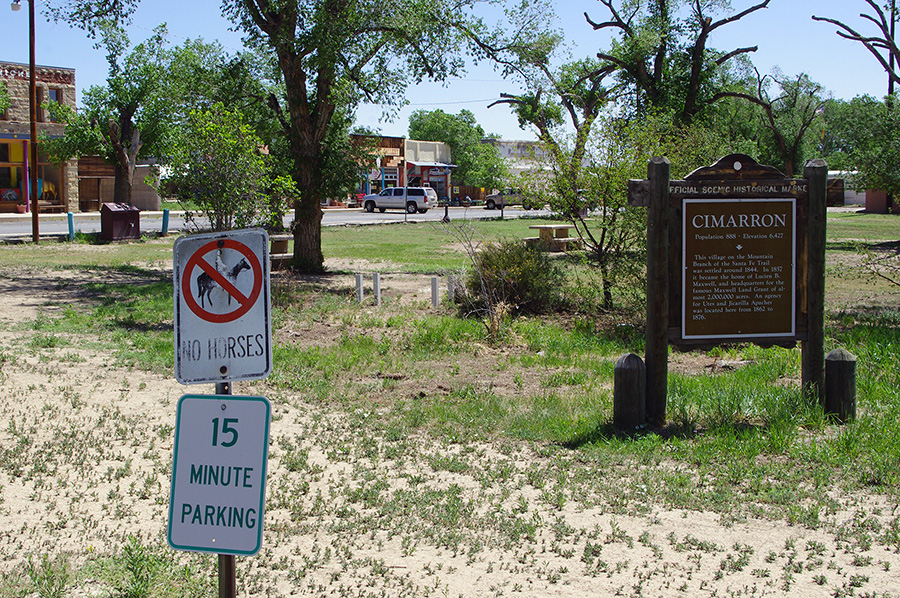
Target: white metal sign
219	474
222	307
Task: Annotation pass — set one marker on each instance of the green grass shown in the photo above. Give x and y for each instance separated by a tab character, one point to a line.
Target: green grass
742	443
859	226
421	247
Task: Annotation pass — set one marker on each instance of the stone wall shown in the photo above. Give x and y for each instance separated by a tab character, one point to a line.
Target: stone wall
17	124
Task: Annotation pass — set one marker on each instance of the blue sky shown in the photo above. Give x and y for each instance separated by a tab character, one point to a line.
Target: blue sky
786	35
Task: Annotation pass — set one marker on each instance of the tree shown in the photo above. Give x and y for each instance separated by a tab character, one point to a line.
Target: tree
881	45
477	164
126	118
330	54
786	118
864	135
217	163
885	50
575	91
664	60
91	14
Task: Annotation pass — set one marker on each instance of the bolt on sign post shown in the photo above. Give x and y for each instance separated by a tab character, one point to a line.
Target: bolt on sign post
222	333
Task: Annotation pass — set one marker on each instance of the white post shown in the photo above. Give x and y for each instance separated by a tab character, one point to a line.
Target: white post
376	284
359	288
435	292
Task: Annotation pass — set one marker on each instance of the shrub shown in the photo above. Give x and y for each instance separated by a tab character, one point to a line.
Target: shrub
514	274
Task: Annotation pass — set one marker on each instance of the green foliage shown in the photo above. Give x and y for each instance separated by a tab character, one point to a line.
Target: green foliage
139	569
217	163
91	14
5	102
520	276
476	163
49	577
864	135
788	110
127	118
661	56
329	56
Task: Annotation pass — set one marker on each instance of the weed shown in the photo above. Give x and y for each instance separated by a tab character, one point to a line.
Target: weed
49	577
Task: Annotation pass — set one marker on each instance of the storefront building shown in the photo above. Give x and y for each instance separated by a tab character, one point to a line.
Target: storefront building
405	162
57	184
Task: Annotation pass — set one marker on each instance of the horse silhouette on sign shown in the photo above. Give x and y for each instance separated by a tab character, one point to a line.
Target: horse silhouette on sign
206	284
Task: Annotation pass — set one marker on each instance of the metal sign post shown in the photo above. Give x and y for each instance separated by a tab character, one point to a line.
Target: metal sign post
222	333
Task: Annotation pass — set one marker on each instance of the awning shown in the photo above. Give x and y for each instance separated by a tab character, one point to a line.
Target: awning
431	164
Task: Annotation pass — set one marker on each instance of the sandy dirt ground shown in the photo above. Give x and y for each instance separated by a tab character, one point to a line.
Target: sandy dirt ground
86	452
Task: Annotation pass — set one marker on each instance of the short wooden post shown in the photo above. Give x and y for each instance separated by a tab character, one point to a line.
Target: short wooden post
840	385
812	360
359	288
657	334
630	392
435	292
376	287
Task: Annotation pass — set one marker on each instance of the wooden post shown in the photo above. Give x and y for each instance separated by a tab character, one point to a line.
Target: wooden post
657	335
840	385
813	349
630	392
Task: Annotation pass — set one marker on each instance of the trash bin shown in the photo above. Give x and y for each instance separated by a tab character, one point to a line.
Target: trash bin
119	221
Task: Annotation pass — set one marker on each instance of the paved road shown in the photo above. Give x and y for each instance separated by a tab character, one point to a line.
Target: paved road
19	225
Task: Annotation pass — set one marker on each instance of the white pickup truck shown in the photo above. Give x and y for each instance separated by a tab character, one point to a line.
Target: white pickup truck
411	199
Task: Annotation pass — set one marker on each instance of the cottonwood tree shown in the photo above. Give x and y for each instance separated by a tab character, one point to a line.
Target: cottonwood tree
126	118
666	60
573	95
90	14
786	115
881	44
330	55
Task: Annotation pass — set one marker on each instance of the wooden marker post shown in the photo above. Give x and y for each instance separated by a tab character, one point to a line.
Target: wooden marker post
657	340
813	348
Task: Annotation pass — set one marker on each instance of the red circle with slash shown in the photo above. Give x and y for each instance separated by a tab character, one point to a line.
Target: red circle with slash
245	302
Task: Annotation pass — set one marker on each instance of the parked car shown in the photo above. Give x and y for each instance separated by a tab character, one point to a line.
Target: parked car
506	197
411	199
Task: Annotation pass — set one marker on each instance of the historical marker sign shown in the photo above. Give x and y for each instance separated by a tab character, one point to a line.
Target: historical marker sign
739	268
219	474
737	255
222	307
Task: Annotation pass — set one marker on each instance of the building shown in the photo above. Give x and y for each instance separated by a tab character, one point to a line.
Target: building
405	162
521	156
57	184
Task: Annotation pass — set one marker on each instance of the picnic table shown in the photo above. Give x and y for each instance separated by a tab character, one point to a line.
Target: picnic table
554	237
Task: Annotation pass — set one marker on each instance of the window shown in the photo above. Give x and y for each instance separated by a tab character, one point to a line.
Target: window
417	192
398	191
53	94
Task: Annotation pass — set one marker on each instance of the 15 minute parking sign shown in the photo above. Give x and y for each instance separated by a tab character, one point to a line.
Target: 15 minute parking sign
219	474
222	305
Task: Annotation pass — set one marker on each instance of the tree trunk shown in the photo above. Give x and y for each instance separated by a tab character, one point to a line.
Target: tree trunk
126	157
307	230
124	183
